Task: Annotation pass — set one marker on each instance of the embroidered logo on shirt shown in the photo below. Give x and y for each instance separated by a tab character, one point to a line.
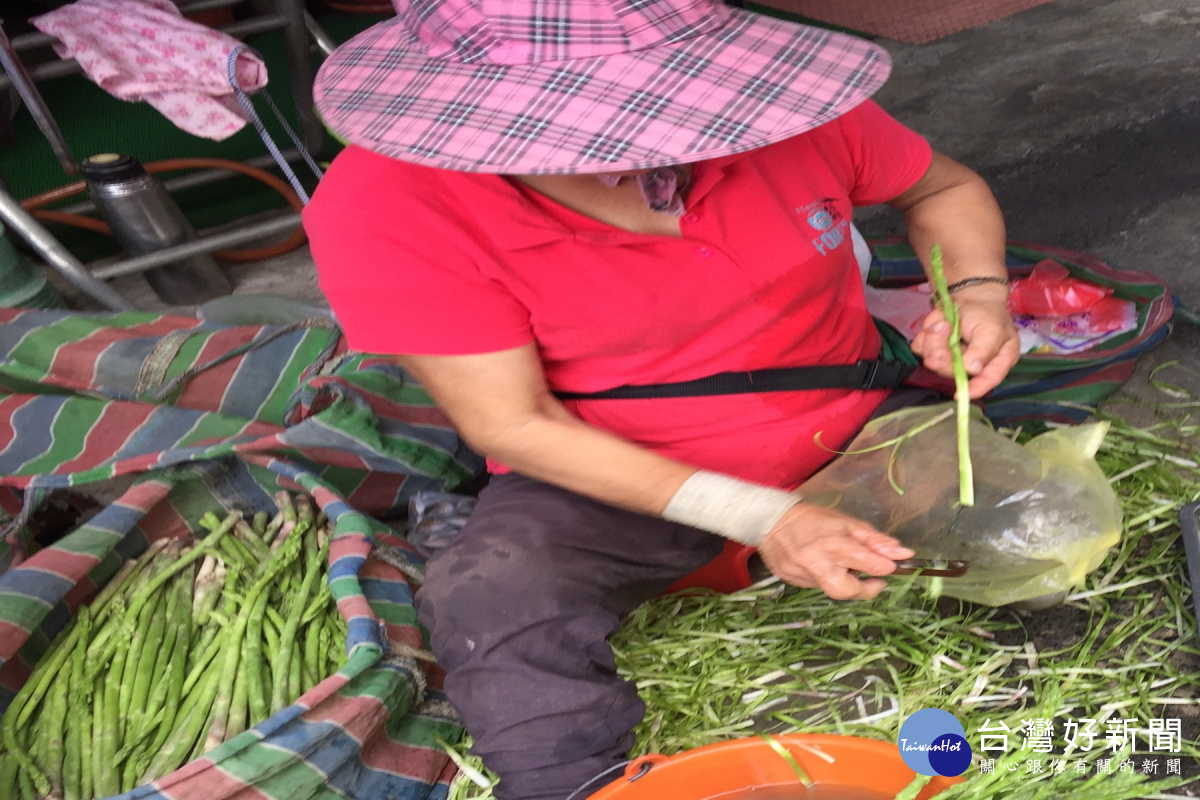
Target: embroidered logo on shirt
820	219
824	217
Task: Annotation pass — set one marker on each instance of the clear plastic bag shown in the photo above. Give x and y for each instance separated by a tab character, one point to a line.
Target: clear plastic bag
1044	513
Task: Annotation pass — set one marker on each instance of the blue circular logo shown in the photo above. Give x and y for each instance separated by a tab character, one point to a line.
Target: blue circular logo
820	219
950	755
933	742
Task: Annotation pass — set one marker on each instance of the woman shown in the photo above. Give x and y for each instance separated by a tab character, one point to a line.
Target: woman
547	201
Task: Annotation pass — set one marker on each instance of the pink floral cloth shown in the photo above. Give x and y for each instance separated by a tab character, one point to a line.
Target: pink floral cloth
146	50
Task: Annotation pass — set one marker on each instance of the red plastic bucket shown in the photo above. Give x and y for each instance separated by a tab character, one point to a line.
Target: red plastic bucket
844	762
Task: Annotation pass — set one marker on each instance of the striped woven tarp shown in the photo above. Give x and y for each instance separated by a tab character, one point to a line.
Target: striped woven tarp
123	393
207	418
1058	388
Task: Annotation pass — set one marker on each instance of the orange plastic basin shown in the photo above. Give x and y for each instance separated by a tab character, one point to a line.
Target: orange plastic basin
744	764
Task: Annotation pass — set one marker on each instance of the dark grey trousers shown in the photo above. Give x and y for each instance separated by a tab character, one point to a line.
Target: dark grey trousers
520	607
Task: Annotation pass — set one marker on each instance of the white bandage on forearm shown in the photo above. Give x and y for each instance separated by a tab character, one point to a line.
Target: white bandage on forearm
739	510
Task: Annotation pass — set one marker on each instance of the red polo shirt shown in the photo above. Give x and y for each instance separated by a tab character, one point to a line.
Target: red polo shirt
425	261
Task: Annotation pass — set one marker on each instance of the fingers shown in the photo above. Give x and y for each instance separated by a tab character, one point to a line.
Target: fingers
837	582
995	370
932	343
818	548
882	544
847	586
991	345
984	338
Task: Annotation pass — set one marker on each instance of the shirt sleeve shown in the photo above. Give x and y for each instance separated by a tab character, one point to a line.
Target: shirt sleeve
887	157
401	275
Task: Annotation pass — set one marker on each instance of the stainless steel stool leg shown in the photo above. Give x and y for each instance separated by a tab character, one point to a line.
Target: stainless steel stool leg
36	105
320	38
57	256
300	72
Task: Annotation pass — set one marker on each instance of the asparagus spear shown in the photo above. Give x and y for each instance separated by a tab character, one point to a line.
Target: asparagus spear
250	540
229	606
193	717
256	691
279	670
107	739
175	689
98	763
312	647
55	723
24	704
295	668
208	586
284	501
273	528
962	398
163	703
80	724
140	659
27	787
9	767
238	703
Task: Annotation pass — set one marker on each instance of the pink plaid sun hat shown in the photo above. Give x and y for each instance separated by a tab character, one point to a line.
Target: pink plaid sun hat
580	86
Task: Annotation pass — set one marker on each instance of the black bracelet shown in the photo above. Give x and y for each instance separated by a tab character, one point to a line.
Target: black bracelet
963	284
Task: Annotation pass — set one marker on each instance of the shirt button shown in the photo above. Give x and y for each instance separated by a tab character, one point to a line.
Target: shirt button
690	217
705	252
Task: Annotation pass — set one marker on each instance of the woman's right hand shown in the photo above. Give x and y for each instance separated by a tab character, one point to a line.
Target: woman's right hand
818	548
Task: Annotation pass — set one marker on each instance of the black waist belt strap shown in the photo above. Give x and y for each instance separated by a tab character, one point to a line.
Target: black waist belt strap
865	375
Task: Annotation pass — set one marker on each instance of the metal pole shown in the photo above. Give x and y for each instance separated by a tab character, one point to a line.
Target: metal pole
58	257
29	41
68	66
19	77
300	73
322	39
205	5
204	244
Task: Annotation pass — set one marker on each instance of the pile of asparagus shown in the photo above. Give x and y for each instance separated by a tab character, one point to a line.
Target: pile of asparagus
189	645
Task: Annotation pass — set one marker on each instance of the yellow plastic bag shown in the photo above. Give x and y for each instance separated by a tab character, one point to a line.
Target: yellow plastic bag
1044	513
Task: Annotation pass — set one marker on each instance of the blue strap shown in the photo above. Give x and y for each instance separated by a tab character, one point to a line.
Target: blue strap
256	121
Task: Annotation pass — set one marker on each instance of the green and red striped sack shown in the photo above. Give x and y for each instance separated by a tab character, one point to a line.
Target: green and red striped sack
210	418
1047	387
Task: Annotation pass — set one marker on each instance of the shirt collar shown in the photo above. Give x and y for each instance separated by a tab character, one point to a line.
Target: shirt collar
707	174
521	224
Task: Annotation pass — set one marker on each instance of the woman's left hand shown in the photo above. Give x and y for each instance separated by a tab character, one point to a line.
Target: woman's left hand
990	343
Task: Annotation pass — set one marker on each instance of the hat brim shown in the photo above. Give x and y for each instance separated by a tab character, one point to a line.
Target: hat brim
754	81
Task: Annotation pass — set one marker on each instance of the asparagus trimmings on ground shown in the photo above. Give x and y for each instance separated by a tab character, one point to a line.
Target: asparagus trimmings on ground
186	647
